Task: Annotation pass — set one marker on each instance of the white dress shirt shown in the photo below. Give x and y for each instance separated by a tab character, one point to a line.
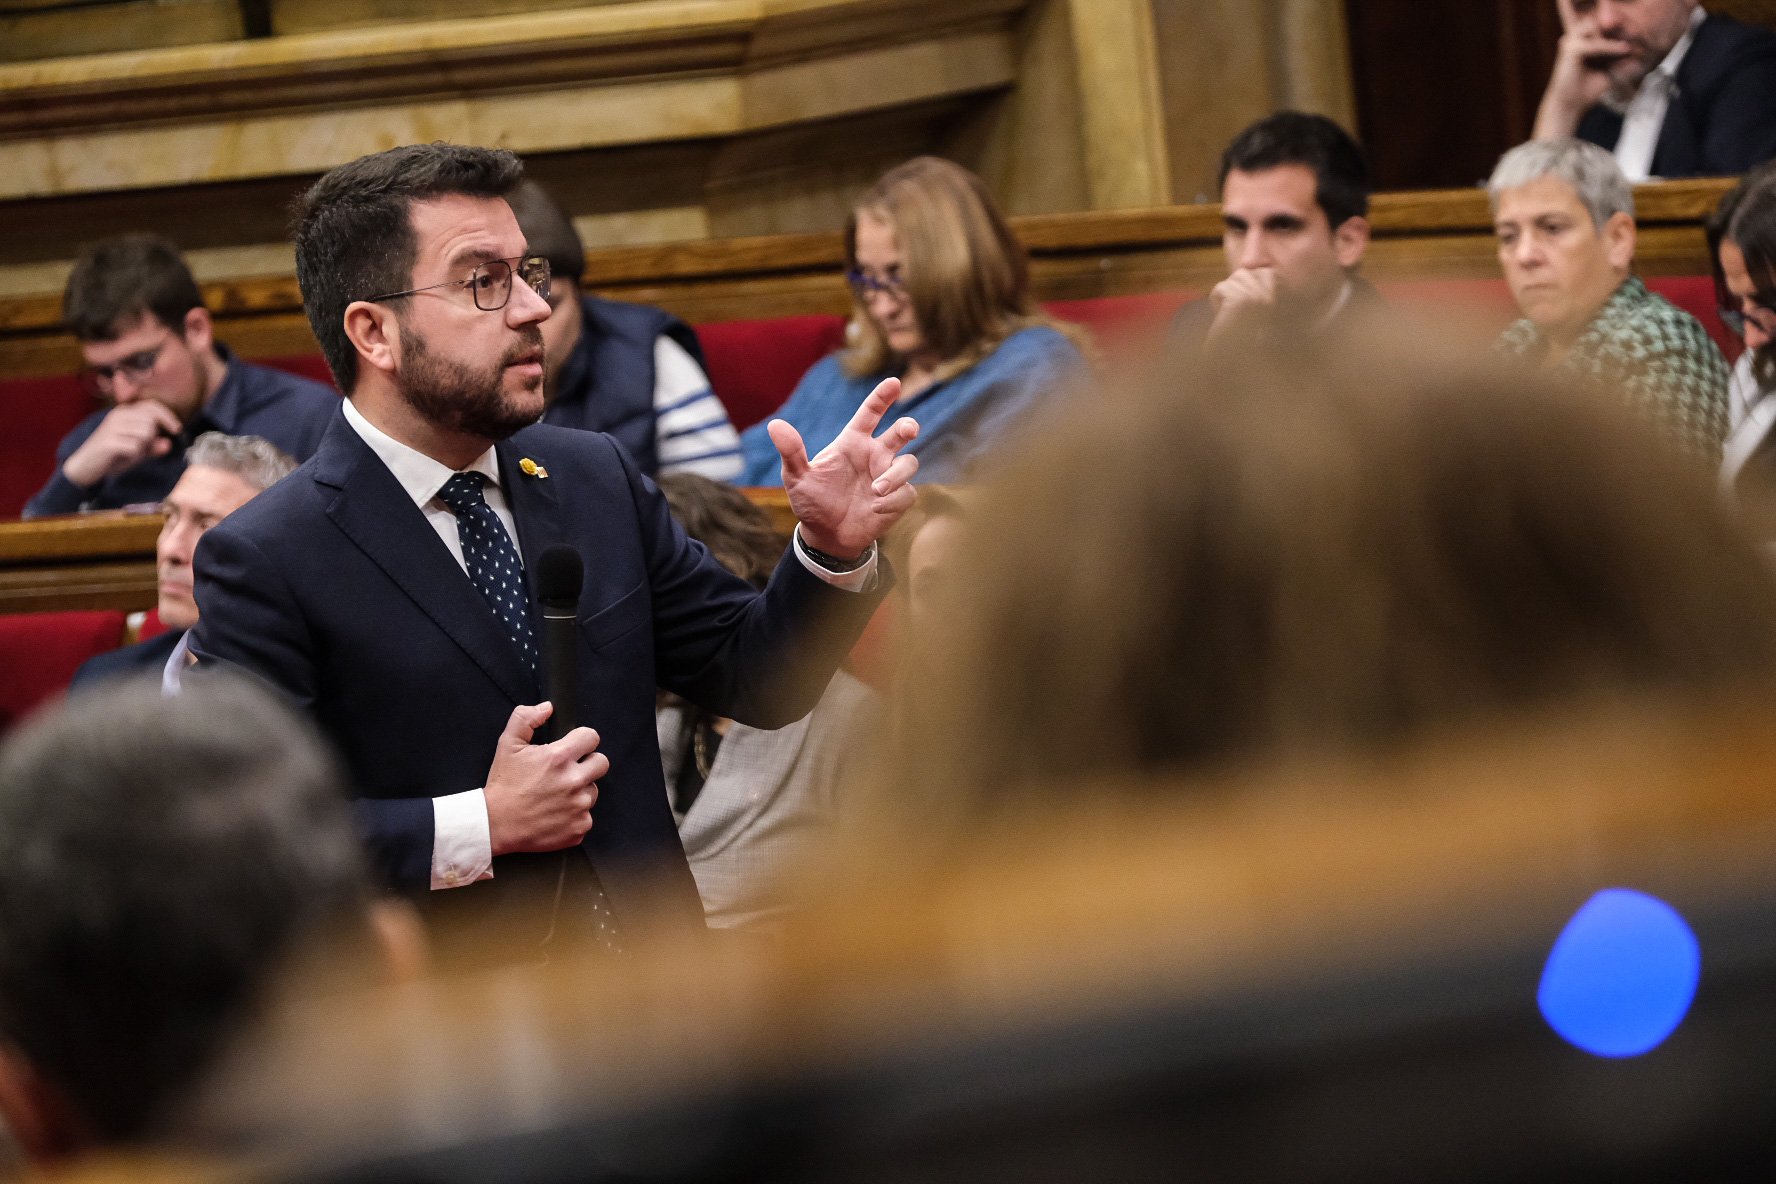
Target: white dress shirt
172	674
1644	115
1751	412
462	846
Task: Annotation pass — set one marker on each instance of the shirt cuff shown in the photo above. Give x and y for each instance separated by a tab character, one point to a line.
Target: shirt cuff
462	847
859	580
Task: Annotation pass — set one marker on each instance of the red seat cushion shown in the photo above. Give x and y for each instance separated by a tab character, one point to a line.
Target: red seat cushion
37	413
302	365
40	652
152	626
1117	322
754	365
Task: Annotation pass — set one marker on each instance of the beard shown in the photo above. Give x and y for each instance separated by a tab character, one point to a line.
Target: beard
460	398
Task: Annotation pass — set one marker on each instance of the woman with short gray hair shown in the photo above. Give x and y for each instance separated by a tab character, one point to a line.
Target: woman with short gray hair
1564	216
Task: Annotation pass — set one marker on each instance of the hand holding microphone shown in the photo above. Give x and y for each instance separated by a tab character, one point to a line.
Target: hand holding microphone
542	785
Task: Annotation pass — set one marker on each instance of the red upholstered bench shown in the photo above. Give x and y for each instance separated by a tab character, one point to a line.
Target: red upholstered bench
754	364
38	412
39	653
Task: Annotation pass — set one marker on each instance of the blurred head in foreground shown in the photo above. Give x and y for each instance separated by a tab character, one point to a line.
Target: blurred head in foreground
162	860
1336	552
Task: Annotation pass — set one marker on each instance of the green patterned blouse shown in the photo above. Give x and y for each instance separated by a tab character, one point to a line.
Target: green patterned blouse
1657	355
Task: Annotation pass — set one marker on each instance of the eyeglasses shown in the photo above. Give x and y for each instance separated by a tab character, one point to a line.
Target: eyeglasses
491	283
865	285
102	380
1761	315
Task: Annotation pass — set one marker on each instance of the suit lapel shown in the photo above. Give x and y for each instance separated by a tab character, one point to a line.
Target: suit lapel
372	509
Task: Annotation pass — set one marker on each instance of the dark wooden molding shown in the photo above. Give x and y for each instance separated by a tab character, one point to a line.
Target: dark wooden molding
106	560
92	561
395	63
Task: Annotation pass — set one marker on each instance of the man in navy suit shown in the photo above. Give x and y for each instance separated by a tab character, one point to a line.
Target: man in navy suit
222	474
1671	90
388	585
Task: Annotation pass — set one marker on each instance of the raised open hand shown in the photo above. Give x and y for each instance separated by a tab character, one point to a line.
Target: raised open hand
858	487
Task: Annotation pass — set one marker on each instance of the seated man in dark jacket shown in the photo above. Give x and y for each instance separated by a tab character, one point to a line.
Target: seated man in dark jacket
1671	90
627	369
222	474
151	352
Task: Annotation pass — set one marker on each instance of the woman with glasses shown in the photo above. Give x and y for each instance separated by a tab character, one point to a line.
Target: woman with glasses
1742	245
941	299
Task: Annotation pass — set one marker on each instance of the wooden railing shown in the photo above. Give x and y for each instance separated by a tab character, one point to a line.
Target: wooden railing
106	560
91	561
1440	234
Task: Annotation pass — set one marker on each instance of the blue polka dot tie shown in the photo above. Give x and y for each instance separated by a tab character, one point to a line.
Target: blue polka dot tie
492	560
498	573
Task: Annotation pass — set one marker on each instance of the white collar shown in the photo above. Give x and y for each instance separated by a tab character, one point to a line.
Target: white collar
420	475
1664	75
1344	298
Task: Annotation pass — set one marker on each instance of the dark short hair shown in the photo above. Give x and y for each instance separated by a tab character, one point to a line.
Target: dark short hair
1747	217
354	232
548	231
118	280
1341	171
738	533
160	859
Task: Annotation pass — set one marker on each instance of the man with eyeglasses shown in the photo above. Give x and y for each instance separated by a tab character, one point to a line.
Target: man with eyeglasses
390	585
151	353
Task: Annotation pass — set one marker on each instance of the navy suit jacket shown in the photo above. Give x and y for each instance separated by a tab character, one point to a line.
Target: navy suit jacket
332	586
141	660
1722	118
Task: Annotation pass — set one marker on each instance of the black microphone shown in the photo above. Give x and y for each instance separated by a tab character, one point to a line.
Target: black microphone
560	574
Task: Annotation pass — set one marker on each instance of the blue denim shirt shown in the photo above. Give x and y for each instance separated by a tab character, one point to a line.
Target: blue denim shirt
960	418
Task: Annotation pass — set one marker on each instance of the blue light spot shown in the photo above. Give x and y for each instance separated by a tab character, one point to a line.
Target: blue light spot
1622	974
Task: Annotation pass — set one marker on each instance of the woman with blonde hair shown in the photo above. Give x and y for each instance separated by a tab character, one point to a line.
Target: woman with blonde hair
941	300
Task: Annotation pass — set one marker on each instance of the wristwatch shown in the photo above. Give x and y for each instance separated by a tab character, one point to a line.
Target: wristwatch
833	563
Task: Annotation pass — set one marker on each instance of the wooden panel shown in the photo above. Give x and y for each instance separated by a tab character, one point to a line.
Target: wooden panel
93	561
81	537
1122	118
313	16
60	29
1444	89
1225	63
126	585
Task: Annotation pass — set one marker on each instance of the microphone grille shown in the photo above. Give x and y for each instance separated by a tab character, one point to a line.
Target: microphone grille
560	574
